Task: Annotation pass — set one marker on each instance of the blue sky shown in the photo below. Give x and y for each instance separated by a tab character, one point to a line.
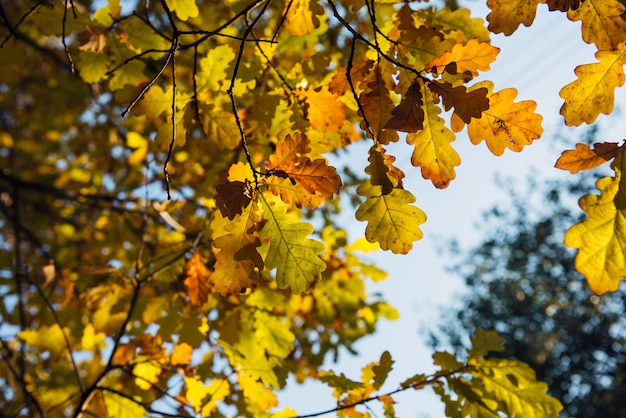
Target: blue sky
537	61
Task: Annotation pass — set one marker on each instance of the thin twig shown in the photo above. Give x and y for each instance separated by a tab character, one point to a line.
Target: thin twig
231	94
434	380
63	35
12	29
144	405
66	339
29	397
356	97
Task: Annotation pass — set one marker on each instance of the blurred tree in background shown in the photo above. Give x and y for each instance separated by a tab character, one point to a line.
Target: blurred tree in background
522	283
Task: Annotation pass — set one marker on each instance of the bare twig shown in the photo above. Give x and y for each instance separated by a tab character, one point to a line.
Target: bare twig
63	36
66	339
29	398
433	380
231	94
12	29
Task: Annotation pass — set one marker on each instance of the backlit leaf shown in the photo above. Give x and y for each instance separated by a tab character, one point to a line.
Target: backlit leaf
184	9
299	18
323	108
513	384
181	354
238	261
391	219
602	23
213	68
507	124
433	151
471	56
601	237
291	252
586	158
120	407
197	280
147	373
592	93
46	338
507	15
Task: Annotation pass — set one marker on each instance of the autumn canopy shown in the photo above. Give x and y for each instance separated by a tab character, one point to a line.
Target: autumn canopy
170	239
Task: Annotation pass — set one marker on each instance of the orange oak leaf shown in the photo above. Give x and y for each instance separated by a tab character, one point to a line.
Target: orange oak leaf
467	105
197	281
358	73
471	57
299	18
586	158
592	93
290	149
408	116
377	107
507	15
602	23
232	197
323	108
317	177
506	124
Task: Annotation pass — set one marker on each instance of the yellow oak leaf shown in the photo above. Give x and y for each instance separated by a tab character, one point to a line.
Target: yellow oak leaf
600	238
433	151
602	23
291	252
507	15
376	105
184	9
457	23
213	69
121	407
471	57
506	124
408	116
146	374
323	108
238	262
592	93
46	338
204	398
585	158
299	18
256	393
197	281
391	219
